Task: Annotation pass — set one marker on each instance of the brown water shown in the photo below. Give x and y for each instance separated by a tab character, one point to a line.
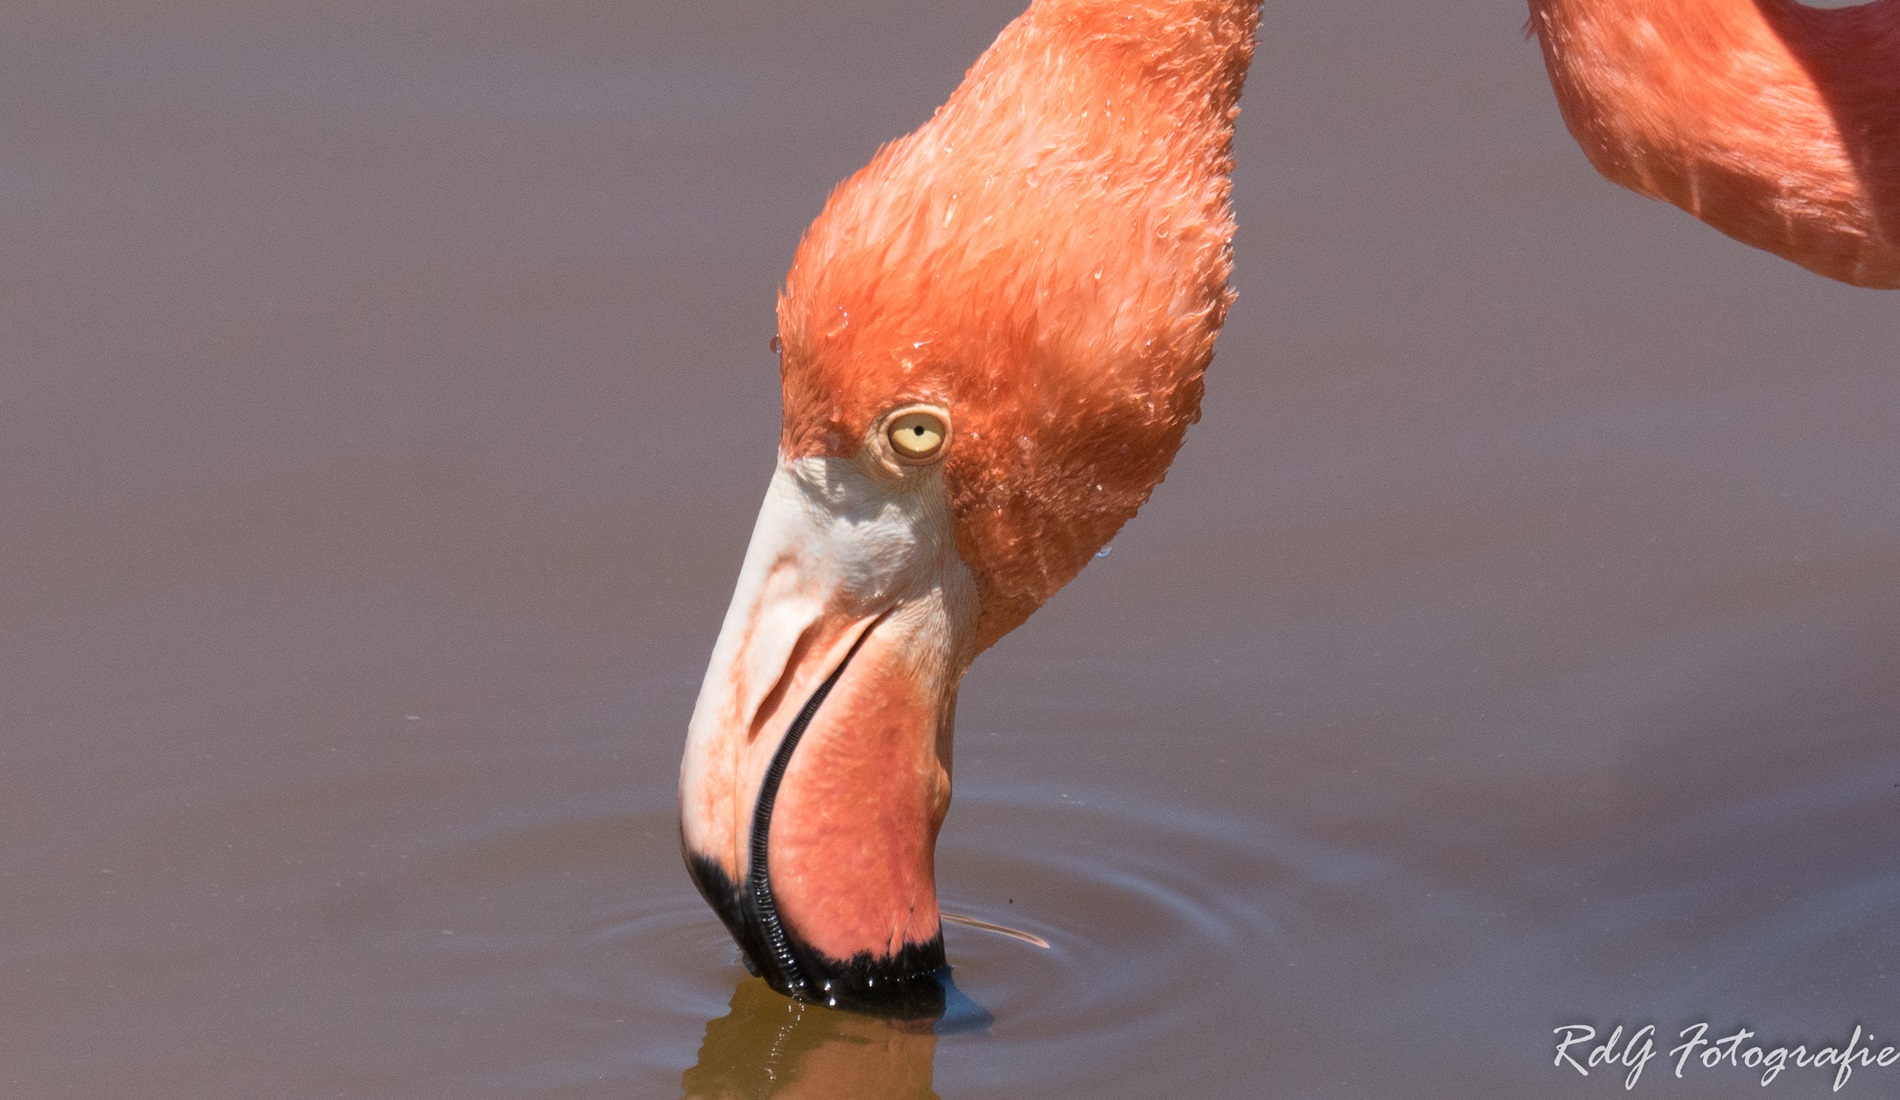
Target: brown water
384	407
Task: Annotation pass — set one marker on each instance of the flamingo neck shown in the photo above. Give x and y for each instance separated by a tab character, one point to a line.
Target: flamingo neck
1776	123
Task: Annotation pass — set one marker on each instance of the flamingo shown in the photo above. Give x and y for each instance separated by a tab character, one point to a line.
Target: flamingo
1774	122
992	339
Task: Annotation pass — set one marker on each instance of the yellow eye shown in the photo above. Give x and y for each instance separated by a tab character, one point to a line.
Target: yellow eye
917	435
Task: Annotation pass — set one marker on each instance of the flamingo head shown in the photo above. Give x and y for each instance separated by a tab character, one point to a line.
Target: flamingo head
993	339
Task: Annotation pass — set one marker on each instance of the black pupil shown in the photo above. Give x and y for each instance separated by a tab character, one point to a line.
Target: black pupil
919	429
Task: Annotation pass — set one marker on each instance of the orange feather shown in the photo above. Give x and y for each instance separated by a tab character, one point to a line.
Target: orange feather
1776	123
1047	258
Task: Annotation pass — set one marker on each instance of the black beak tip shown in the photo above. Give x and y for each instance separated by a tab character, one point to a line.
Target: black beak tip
909	985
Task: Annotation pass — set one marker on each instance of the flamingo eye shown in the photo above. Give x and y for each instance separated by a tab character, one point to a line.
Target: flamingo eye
917	435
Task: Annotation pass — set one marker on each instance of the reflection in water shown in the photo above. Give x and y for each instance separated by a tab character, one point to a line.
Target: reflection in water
1029	938
769	1045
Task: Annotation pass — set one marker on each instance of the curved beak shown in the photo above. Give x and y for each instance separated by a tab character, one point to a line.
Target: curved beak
817	768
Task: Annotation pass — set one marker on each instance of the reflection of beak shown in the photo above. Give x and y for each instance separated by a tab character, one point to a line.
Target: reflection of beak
817	766
765	1048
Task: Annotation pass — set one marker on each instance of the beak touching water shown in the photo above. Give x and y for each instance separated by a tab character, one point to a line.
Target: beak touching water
992	340
817	769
